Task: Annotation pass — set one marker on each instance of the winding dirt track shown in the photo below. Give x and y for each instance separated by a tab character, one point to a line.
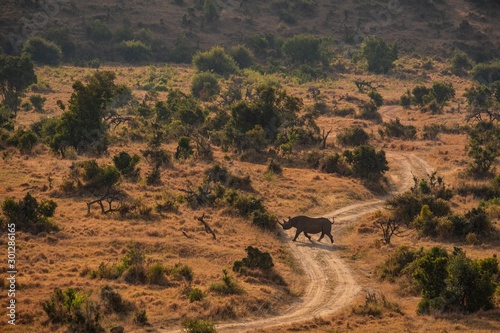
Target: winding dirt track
331	285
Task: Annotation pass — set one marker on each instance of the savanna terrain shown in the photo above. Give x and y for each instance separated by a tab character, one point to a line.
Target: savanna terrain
163	142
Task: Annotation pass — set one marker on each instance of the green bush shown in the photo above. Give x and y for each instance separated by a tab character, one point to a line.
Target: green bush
205	86
460	62
99	31
379	54
394	129
184	148
215	60
242	55
134	51
141	318
156	274
27	141
301	49
405	100
227	287
94	176
195	295
42	51
37	101
255	259
181	271
113	301
126	164
30	216
376	98
366	163
398	262
353	136
368	111
73	309
487	73
264	220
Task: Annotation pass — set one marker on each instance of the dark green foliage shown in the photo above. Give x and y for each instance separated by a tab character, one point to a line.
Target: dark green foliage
376	98
264	220
184	108
134	51
210	13
431	275
255	259
73	309
37	101
181	271
184	149
184	50
219	174
366	163
487	73
27	141
205	86
460	62
16	75
334	163
379	54
405	100
126	164
353	136
28	215
198	326
432	131
484	142
418	94
83	126
195	295
227	287
301	49
98	31
42	51
62	37
455	283
90	175
242	55
112	300
155	274
482	102
395	129
368	111
442	92
215	60
398	262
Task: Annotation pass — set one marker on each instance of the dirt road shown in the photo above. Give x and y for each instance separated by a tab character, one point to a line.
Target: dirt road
331	284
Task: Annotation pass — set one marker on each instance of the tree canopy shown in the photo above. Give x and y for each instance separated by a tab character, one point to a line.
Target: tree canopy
16	75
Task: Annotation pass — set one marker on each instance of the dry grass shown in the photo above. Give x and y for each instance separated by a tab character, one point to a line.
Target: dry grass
49	261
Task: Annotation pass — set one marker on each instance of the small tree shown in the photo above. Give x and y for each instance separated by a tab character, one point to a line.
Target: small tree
42	51
215	60
353	136
379	55
16	75
205	86
38	101
460	62
302	49
242	55
99	31
366	163
134	51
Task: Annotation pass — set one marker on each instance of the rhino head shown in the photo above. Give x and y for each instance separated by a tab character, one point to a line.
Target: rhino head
287	224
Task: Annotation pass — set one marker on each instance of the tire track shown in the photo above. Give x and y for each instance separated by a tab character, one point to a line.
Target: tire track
331	284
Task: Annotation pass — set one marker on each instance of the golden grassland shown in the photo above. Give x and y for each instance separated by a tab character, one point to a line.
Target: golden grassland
55	260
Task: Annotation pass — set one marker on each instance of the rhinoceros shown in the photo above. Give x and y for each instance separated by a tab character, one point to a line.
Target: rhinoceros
309	225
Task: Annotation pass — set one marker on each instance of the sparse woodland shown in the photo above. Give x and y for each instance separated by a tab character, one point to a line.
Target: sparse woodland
146	159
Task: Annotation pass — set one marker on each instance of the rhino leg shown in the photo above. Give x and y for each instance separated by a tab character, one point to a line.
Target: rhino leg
321	237
331	237
305	233
296	235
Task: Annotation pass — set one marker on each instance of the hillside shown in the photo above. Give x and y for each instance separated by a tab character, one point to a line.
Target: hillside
420	27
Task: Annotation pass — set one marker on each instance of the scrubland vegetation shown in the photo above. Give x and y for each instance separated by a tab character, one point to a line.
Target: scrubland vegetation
145	175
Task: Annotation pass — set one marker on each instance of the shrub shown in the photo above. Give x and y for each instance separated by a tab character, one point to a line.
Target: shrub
126	164
333	163
42	51
302	49
242	55
487	73
156	275
141	318
398	261
460	62
99	31
418	94
94	176
368	111
227	287
198	326
379	55
215	60
181	271
73	309
37	101
255	259
27	141
394	128
134	51
366	163
274	167
353	136
425	223
376	98
205	86
196	295
30	216
405	100
264	220
112	300
442	92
